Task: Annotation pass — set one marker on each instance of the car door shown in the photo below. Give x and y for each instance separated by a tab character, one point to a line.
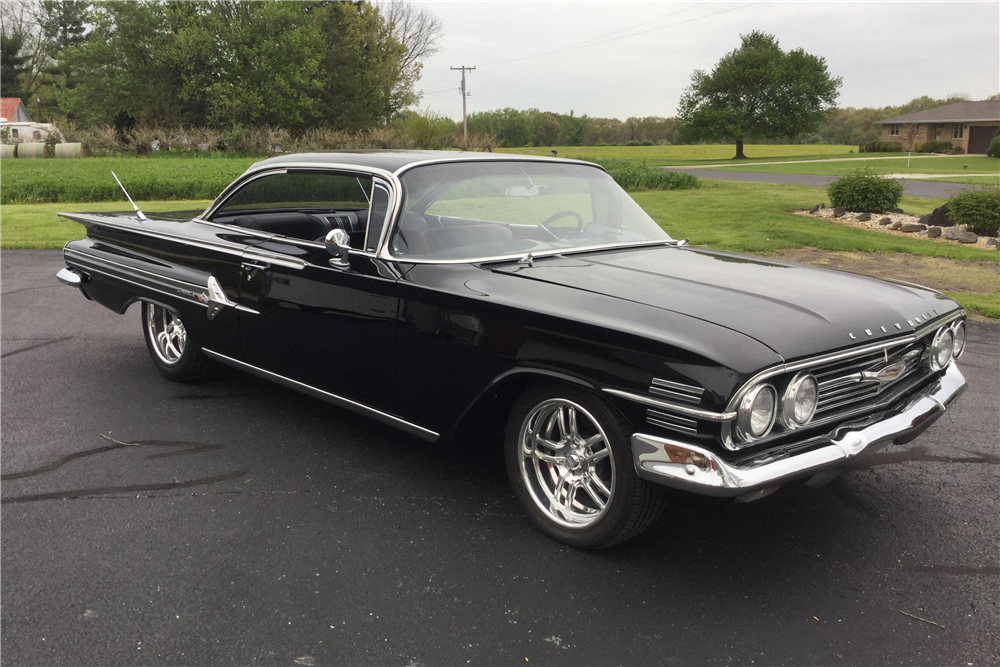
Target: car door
330	326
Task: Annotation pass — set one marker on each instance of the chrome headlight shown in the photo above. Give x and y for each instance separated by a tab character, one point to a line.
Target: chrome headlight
941	348
755	416
798	405
958	331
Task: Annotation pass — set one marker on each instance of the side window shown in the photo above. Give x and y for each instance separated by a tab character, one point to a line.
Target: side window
303	205
13	132
297	191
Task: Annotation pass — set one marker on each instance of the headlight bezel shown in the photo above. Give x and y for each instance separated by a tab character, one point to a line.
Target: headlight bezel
789	400
959	332
942	344
745	414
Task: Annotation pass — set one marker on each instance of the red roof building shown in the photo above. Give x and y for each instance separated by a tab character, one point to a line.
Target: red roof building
12	111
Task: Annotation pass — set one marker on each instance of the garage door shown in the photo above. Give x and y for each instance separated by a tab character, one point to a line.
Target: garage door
979	138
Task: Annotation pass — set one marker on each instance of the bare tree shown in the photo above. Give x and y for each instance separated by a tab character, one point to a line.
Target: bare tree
416	28
909	135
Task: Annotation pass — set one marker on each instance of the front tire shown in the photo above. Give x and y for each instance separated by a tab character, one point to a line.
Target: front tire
569	461
170	346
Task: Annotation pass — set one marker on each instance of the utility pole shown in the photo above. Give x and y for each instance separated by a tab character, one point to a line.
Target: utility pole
465	125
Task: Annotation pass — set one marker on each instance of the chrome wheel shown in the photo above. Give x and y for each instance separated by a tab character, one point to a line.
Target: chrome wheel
566	463
167	334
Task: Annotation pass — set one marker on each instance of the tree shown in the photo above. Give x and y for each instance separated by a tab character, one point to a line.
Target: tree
758	91
11	64
416	29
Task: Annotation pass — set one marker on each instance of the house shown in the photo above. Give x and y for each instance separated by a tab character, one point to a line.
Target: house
967	125
12	110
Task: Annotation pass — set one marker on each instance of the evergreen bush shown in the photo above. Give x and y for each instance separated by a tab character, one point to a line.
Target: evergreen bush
994	149
935	147
979	210
865	191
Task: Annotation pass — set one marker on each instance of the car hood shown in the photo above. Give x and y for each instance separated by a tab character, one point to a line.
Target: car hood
795	310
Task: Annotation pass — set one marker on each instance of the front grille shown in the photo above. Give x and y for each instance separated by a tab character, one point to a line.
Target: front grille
849	382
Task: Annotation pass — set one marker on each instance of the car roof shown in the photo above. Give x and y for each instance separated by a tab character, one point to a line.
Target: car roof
393	160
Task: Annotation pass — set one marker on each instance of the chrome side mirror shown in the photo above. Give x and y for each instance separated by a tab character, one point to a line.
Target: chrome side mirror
338	243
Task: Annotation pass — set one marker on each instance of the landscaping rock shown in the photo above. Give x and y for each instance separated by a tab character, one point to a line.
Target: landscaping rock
952	233
968	237
864	217
933	232
898	210
885	221
814	209
839	212
938	217
913	227
896	225
992	242
925	220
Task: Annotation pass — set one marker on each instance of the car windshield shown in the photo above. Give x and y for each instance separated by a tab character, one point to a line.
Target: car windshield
476	210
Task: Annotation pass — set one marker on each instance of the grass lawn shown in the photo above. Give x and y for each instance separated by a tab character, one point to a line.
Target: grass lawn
146	178
38	226
746	217
683	155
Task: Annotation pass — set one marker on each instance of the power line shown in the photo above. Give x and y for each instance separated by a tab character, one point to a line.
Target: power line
615	39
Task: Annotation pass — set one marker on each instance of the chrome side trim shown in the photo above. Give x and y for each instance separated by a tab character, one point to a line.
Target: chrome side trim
684	388
340	401
141	278
698	470
535	255
256	254
672	407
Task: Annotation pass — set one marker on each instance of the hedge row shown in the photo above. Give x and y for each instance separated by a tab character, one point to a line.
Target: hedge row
632	176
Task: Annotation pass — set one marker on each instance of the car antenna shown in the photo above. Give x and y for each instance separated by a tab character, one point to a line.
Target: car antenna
138	213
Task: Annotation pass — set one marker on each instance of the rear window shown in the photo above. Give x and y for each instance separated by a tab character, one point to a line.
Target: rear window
301	191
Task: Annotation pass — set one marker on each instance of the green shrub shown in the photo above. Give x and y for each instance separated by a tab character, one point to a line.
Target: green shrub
634	177
935	147
978	209
864	190
994	149
957	150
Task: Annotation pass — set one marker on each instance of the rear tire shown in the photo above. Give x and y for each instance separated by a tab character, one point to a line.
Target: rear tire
569	460
170	346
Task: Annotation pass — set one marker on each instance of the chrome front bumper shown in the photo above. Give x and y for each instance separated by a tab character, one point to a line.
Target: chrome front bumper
698	470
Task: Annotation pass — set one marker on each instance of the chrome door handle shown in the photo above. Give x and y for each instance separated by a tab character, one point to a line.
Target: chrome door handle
253	267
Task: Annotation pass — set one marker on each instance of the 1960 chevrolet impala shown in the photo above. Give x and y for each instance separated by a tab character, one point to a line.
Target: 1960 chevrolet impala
453	295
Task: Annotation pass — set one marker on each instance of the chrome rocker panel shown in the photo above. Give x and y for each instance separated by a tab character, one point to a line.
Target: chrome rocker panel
697	470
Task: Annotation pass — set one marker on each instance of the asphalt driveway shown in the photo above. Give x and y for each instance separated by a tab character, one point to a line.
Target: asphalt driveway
235	522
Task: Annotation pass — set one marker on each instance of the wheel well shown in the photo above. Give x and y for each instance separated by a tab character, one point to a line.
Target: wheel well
489	412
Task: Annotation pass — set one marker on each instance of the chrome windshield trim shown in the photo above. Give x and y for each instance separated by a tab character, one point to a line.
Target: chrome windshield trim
707	415
499	157
519	255
340	401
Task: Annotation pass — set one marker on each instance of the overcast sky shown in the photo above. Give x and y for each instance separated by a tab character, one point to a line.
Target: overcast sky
636	58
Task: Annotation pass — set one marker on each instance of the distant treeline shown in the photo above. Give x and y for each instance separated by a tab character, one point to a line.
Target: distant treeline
532	127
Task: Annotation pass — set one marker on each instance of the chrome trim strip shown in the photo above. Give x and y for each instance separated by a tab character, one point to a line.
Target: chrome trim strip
686	388
535	255
672	407
340	401
181	289
499	157
698	470
666	393
255	254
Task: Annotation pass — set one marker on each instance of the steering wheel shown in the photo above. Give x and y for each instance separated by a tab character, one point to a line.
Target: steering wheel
563	214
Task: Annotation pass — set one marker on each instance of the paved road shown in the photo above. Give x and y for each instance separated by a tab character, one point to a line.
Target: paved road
910	187
252	525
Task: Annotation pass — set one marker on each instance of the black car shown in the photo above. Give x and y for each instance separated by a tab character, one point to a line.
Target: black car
455	295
